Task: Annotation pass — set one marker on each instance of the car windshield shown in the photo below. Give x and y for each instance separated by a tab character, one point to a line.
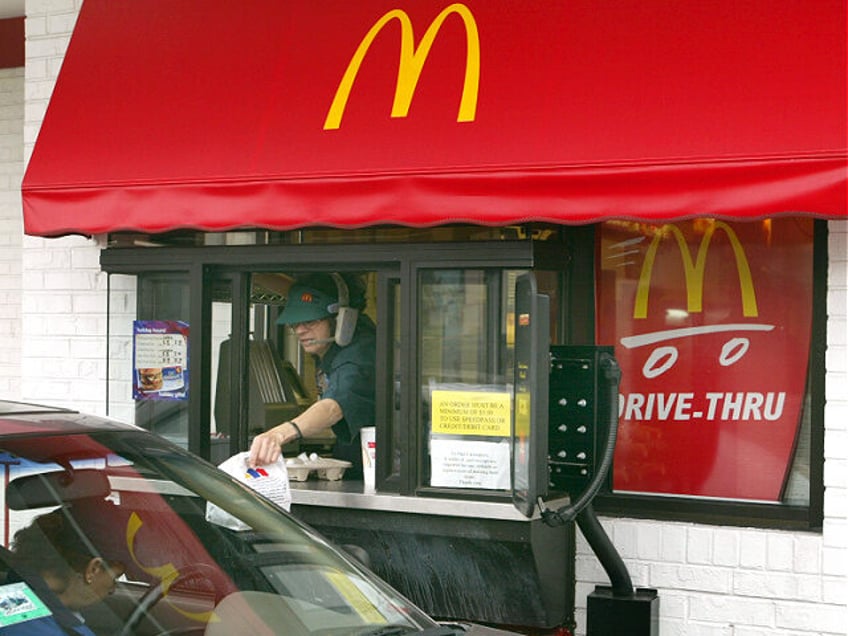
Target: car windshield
167	520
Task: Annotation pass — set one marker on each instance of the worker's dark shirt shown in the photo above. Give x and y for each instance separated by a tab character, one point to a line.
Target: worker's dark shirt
346	374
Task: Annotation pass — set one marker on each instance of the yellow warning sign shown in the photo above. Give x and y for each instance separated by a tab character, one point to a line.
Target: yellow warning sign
471	413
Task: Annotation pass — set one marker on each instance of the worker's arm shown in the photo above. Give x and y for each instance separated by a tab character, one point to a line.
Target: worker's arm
267	447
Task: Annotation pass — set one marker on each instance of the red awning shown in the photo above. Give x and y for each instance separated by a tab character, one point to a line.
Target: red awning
219	115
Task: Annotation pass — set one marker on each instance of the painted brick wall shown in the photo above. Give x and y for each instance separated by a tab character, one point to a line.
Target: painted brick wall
63	291
713	581
11	172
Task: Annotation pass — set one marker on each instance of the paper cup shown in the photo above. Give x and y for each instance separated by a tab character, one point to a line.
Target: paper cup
367	436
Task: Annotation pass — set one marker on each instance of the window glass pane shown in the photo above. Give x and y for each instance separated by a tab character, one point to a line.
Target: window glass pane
465	366
122	313
148	352
222	324
164	298
454	326
548	283
711	323
397	423
168	545
291	364
387	234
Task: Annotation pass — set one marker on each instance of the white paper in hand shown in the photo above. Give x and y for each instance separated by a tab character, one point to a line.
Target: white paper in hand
271	480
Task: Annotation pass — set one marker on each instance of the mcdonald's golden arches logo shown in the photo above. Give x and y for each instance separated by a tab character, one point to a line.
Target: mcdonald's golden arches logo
694	271
412	59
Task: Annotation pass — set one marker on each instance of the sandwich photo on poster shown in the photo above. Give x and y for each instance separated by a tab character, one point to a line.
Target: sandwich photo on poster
160	360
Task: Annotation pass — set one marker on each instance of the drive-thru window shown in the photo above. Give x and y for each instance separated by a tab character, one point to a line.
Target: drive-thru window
595	270
445	357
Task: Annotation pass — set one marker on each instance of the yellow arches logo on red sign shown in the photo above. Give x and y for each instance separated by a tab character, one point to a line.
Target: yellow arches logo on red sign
694	271
412	59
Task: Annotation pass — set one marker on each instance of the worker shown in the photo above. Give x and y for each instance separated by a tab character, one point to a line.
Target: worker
324	312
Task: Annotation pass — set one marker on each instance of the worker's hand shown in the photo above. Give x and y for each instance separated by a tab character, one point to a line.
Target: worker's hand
265	449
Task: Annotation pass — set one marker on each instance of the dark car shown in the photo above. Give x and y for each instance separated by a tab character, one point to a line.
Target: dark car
142	504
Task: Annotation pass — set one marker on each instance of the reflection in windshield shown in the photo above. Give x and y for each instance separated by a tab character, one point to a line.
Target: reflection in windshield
142	502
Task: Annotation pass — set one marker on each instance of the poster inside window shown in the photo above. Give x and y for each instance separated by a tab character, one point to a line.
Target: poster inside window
160	360
711	324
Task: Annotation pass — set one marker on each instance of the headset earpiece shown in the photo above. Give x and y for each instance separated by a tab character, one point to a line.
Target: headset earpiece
347	316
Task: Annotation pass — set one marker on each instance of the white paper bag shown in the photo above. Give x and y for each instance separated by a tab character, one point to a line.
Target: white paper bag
271	480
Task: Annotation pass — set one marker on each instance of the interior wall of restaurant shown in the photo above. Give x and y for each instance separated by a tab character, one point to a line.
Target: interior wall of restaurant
712	580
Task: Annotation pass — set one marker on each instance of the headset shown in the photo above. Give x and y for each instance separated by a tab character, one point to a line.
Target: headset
346	316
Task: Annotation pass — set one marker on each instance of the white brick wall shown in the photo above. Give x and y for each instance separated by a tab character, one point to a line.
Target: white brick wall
713	581
64	333
63	290
11	228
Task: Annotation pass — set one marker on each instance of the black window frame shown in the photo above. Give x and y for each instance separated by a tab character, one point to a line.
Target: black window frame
393	261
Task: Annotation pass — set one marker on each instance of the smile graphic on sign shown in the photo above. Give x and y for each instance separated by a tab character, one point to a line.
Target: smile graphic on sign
713	350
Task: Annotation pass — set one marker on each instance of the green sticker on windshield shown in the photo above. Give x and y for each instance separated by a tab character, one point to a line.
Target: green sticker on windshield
18	604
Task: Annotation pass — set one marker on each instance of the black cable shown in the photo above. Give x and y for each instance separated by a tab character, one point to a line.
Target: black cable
604	549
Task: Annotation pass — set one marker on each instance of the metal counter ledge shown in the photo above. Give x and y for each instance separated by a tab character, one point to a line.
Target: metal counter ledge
351	494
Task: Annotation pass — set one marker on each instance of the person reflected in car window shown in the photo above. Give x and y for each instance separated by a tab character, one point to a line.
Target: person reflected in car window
345	370
63	570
